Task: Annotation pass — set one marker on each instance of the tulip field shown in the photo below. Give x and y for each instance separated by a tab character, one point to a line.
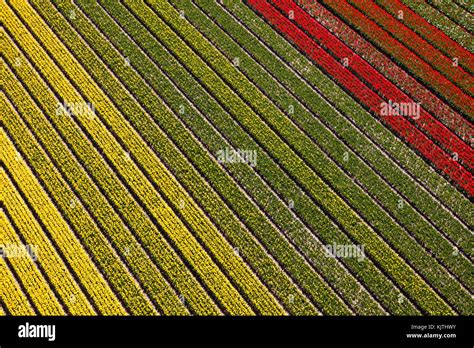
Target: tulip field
255	157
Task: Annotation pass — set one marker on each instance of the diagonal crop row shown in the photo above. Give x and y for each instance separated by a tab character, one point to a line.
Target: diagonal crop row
175	160
315	110
378	82
209	167
147	129
69	246
101	248
33	282
105	217
105	147
448	251
14	295
455	73
363	204
409	84
464	4
195	296
372	101
185	77
429	32
13	298
52	290
456	13
161	225
403	56
259	99
91	282
285	59
191	88
446	25
371	140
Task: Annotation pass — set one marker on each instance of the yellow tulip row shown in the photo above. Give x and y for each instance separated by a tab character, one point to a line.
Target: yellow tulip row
102	251
60	232
13	297
116	232
186	242
53	266
10	291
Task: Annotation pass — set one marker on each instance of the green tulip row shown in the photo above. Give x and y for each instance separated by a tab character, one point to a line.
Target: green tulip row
224	185
381	136
458	14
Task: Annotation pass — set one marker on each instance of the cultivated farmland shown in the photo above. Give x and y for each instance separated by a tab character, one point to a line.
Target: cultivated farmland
257	157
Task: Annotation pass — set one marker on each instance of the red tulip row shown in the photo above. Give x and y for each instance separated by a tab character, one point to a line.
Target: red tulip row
440	21
423	49
403	55
364	94
430	33
377	81
432	103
